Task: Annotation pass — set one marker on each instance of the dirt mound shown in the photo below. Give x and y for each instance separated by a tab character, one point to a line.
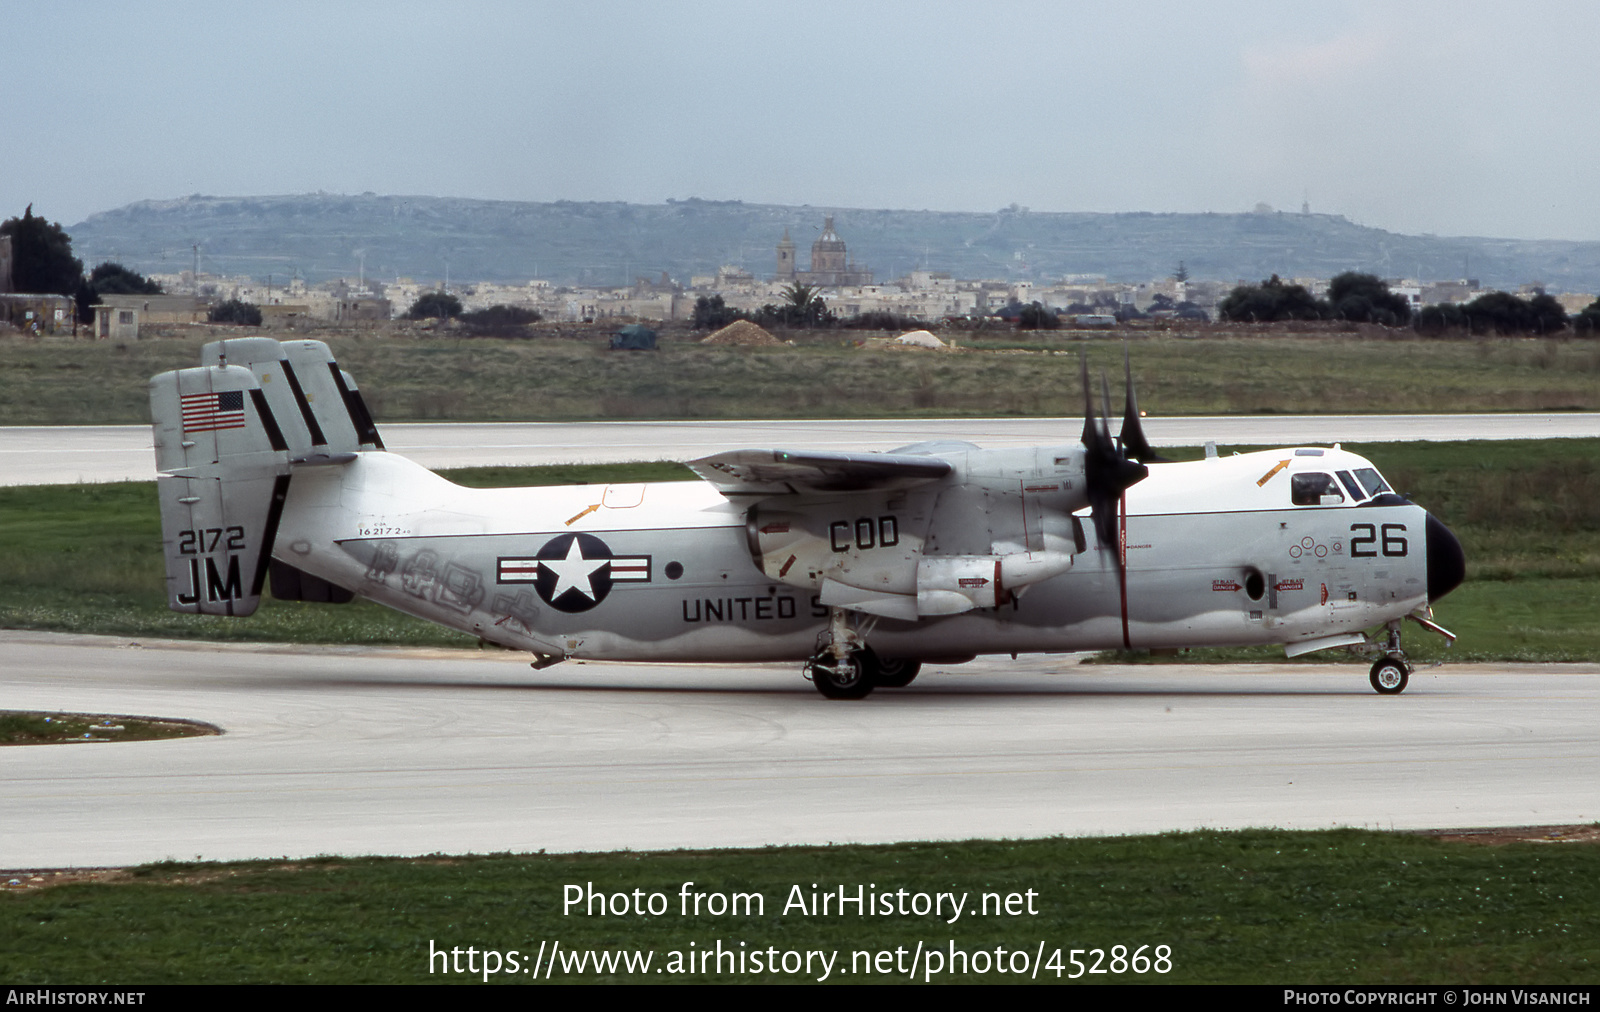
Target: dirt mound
743	333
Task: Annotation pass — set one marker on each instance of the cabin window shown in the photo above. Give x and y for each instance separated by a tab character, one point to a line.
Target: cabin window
1350	486
1371	481
1315	489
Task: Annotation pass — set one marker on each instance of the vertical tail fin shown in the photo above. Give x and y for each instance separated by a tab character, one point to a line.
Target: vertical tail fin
316	402
224	463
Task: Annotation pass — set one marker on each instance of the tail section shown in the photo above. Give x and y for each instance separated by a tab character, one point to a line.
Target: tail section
227	436
317	404
224	463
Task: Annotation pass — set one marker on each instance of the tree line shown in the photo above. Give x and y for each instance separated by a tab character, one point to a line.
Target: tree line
42	264
802	307
1365	298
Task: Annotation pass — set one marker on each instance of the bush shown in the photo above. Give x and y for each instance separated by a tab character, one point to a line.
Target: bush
1433	321
711	313
1038	317
880	320
114	279
434	305
234	311
500	321
1365	298
1269	301
1502	313
1587	323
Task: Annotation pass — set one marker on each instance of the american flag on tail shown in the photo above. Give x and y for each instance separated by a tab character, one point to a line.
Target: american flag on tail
210	412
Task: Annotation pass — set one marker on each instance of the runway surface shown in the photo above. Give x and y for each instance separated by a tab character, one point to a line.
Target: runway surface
356	751
47	455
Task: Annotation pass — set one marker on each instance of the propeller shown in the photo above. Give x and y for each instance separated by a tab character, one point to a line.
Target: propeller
1108	471
1131	438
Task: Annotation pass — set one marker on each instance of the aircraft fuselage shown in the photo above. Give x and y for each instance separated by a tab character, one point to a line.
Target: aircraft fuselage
664	571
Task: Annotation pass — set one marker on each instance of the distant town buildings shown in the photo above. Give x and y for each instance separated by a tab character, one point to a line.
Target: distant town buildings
850	289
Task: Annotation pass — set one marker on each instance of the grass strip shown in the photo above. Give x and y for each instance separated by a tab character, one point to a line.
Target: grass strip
1260	906
18	728
66	382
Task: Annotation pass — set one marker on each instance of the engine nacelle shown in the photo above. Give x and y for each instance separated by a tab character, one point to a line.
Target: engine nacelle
874	548
1000	524
952	584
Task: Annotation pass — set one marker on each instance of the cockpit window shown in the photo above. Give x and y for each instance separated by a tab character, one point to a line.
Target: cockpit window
1315	489
1371	481
1350	486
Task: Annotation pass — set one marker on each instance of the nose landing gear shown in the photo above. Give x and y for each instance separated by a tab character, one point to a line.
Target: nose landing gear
1391	672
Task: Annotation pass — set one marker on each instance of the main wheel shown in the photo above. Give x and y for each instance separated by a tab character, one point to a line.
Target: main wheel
896	672
1389	676
850	678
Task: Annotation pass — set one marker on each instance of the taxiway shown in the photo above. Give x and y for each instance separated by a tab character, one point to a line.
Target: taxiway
387	751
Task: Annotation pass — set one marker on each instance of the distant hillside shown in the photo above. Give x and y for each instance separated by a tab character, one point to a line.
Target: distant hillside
323	236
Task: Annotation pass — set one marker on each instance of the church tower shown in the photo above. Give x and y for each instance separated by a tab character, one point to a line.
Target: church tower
786	266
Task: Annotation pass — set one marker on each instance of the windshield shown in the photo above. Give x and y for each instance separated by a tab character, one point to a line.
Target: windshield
1371	481
1350	485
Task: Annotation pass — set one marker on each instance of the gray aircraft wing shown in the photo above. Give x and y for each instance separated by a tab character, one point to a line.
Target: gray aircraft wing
787	472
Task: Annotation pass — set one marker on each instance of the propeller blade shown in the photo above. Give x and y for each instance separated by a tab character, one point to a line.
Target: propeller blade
1132	435
1091	435
1105	410
1107	470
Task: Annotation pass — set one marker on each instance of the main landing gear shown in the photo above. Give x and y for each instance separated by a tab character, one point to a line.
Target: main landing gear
844	667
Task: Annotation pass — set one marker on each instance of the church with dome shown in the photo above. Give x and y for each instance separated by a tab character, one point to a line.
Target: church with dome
830	263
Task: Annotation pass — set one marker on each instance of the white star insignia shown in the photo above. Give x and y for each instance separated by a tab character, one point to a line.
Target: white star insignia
573	572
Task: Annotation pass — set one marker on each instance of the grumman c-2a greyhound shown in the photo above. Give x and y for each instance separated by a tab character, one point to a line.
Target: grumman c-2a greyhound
862	565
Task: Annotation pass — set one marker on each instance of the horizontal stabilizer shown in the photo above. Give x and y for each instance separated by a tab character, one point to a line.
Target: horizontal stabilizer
783	472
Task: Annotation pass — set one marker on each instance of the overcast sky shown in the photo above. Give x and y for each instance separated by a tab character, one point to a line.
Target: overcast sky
1454	118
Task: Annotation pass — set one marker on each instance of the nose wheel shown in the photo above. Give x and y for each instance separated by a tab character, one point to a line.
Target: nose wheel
1390	674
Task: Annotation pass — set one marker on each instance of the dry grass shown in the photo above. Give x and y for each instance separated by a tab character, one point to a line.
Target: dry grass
426	377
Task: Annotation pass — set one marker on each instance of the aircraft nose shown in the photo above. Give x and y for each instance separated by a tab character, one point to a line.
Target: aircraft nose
1447	563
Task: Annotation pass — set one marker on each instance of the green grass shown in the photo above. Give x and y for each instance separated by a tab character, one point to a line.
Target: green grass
1345	907
58	728
86	558
60	381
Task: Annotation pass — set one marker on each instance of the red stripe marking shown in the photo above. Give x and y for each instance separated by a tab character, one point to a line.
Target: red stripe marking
1122	571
